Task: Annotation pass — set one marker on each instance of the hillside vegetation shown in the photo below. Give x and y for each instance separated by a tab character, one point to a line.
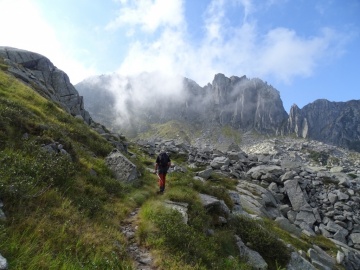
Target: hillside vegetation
64	209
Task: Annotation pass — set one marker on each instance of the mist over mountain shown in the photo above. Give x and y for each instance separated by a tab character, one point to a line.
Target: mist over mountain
133	104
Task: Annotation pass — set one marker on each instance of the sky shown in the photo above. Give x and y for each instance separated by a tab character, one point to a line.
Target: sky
306	49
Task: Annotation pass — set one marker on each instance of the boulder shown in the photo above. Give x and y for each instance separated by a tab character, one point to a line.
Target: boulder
298	262
205	174
320	259
285	224
218	162
252	257
181	207
123	168
295	194
210	202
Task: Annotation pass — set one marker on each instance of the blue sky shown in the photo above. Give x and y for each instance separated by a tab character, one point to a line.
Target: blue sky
306	49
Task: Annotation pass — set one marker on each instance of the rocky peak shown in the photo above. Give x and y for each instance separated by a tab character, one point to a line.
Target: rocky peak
41	74
335	123
247	104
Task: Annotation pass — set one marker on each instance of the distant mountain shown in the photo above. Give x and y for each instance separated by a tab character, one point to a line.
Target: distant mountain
241	103
336	123
237	102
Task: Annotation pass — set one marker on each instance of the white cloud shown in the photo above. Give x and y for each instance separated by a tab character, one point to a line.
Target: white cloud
231	49
23	26
149	14
285	55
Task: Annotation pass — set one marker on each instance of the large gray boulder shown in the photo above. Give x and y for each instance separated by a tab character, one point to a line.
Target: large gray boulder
123	168
295	194
211	202
258	200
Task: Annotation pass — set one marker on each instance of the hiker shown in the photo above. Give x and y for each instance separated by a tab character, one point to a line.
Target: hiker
162	165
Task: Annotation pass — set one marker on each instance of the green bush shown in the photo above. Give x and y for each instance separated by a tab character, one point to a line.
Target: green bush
189	241
29	173
255	235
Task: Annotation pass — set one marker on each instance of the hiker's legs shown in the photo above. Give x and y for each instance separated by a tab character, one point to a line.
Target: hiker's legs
162	181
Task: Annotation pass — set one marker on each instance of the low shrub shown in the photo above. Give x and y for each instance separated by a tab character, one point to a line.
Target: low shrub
257	237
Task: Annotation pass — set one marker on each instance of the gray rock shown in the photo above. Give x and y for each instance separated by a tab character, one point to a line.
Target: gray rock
340	257
342	196
3	263
320	259
123	168
298	262
332	197
252	257
258	200
340	236
355	238
218	162
295	194
45	78
210	202
288	175
287	226
205	173
307	217
182	208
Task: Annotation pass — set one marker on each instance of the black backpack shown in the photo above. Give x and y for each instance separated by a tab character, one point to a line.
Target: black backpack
164	160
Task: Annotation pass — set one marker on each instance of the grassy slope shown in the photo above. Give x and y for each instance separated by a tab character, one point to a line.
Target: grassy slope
60	215
219	137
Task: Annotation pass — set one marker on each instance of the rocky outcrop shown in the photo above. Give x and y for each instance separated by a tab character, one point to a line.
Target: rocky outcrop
39	73
246	104
336	123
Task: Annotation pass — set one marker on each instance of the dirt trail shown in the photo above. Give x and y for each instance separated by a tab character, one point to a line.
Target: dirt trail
141	256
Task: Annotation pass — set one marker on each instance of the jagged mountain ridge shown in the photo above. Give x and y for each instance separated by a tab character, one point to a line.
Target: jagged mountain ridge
245	104
336	123
242	103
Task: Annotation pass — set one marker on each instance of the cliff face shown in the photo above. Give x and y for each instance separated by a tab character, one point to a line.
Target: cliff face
52	83
247	104
239	102
336	123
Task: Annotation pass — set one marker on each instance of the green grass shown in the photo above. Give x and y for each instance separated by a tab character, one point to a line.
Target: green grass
186	246
63	211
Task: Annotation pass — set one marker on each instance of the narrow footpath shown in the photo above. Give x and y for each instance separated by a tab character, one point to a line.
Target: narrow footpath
141	256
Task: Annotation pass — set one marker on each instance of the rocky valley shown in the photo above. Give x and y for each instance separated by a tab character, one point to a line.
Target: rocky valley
250	186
